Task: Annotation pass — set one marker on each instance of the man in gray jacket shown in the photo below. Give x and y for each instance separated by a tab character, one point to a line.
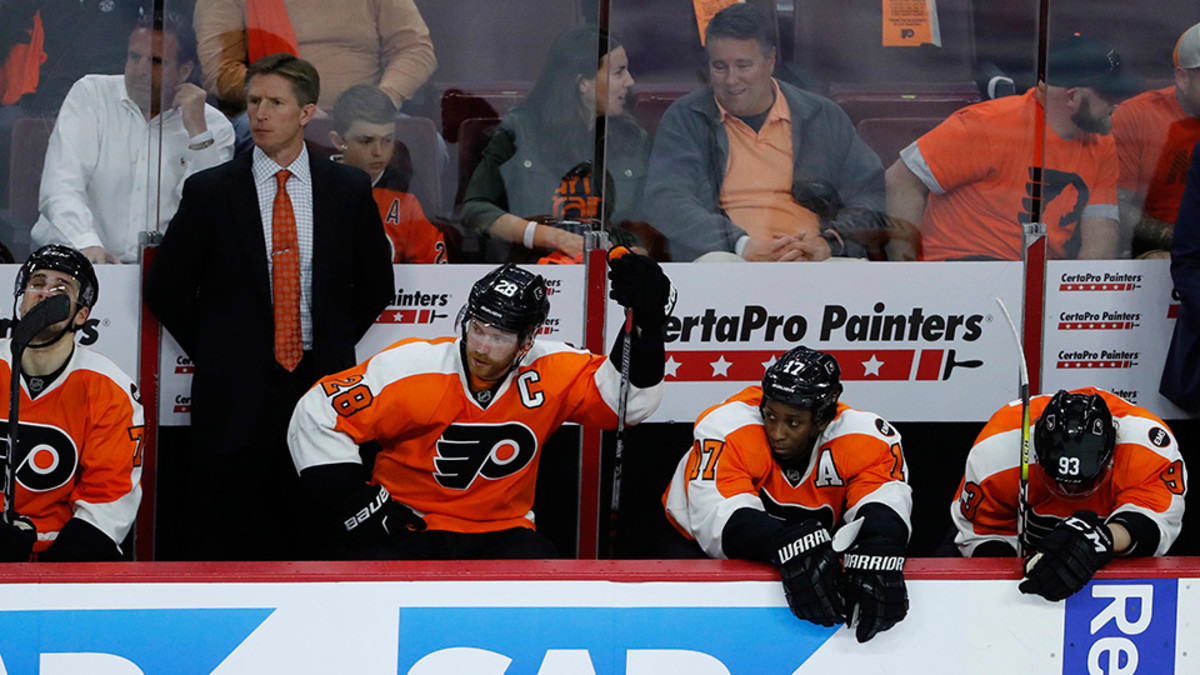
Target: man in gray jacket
755	167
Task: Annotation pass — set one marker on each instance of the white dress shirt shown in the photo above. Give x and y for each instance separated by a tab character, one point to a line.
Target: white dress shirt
300	192
101	185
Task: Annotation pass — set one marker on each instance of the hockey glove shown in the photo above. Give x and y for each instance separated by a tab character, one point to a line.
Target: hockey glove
638	283
382	518
1068	557
17	540
874	581
809	569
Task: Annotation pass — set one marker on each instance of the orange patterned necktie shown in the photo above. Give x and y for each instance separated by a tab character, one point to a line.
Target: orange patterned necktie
285	277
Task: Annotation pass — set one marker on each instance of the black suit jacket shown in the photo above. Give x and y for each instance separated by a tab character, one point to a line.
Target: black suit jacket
209	286
1181	372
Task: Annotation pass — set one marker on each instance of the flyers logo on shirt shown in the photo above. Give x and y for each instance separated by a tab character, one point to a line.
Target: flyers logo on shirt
493	451
48	457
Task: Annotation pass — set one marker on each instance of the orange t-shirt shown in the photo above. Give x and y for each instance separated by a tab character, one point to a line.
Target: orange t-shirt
756	193
1155	138
1147	477
84	436
977	165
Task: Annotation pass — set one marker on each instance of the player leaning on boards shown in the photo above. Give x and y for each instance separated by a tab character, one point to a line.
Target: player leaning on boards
461	420
77	493
1106	479
775	468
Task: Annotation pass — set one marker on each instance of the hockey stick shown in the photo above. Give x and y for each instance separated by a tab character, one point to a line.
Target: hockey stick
40	317
622	403
1023	494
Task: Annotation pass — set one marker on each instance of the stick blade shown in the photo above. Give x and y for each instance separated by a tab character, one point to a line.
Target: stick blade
43	315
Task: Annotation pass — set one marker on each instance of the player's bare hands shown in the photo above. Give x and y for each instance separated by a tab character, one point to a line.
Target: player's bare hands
190	100
99	255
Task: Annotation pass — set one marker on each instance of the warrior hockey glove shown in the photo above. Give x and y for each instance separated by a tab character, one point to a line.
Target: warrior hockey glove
638	283
381	519
809	568
17	540
1068	557
874	581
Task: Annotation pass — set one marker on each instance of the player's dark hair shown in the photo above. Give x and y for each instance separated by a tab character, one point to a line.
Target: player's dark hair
306	83
741	21
364	102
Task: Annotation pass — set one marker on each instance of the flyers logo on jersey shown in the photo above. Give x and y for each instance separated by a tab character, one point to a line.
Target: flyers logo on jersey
493	451
47	458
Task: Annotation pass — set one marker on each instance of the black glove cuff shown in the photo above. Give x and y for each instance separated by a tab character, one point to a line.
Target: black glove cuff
364	513
1143	532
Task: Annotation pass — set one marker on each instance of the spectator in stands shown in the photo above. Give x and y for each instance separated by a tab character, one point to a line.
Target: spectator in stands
737	165
1155	132
541	162
45	47
118	138
381	42
979	165
364	129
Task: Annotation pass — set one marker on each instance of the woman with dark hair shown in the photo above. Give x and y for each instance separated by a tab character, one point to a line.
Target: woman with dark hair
534	186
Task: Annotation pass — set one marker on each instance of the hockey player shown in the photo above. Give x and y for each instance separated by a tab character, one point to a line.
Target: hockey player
79	461
1105	479
461	420
775	468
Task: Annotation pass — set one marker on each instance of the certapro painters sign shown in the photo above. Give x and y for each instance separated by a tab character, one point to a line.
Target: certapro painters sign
915	341
1108	325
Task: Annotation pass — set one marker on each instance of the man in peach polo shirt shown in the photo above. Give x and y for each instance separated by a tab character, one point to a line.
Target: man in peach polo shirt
1155	133
754	167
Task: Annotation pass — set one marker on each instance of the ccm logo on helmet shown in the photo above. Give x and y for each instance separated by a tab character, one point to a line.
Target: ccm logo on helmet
493	451
47	458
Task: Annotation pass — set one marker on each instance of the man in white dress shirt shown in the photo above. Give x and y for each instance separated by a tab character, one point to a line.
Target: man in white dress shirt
122	147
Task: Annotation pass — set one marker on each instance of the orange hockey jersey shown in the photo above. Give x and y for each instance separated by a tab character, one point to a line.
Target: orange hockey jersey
1148	477
80	447
413	238
857	460
463	466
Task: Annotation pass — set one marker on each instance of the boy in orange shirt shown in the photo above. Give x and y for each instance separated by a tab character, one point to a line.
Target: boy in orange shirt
364	132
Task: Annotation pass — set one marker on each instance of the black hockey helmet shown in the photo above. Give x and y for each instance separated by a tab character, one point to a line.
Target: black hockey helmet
66	260
511	299
807	379
1075	438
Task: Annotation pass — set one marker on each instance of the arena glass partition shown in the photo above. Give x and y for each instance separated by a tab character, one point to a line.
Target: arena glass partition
922	343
